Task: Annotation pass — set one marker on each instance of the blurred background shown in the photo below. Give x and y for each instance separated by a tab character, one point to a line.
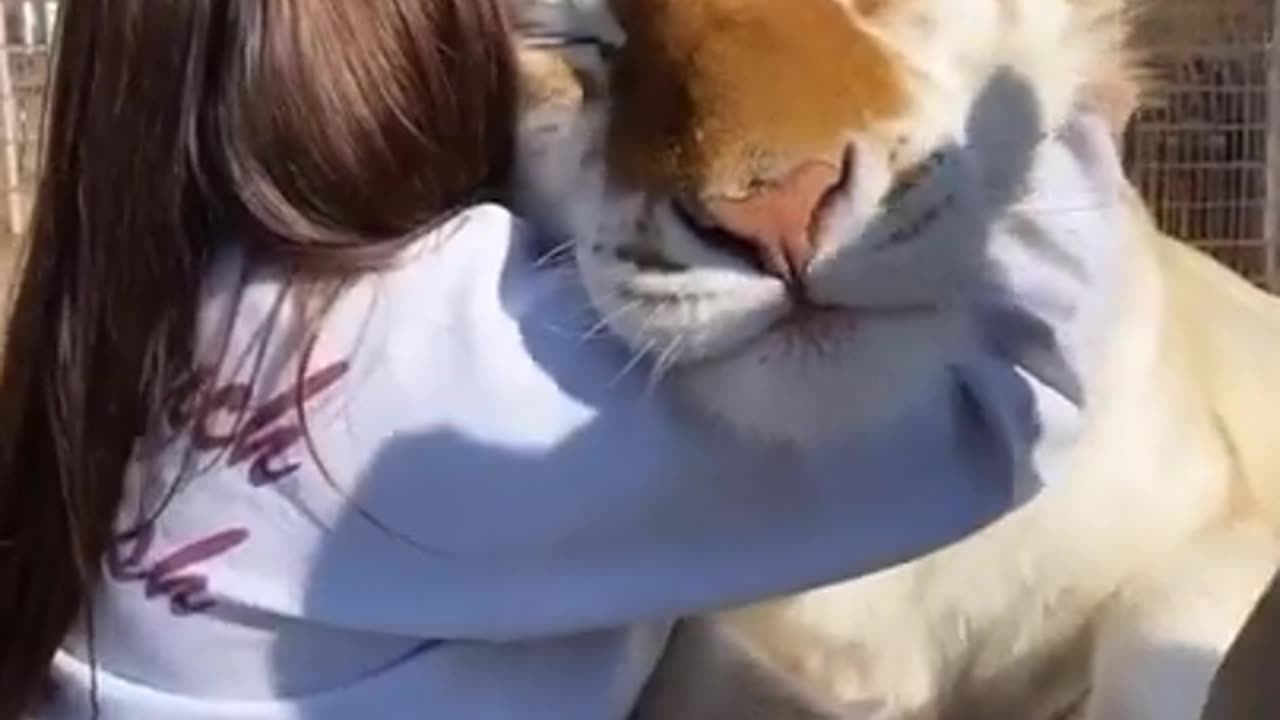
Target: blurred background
1204	148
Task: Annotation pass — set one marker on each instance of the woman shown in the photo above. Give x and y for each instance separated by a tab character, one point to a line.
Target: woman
293	425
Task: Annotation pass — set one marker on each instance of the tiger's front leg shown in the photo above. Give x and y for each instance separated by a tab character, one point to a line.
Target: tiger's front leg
707	674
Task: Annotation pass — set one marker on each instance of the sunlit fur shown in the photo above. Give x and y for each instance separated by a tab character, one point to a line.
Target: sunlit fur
1137	565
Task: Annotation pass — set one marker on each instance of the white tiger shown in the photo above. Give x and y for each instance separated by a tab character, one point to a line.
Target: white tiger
781	187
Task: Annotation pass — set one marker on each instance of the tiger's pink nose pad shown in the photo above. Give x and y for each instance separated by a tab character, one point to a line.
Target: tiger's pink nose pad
777	221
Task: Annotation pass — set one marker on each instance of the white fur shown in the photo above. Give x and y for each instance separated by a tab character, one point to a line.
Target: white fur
1005	624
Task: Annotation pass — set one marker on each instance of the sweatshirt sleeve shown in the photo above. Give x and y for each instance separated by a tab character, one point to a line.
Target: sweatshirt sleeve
511	476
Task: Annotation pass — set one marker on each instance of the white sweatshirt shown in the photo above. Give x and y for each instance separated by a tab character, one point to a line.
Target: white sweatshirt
494	523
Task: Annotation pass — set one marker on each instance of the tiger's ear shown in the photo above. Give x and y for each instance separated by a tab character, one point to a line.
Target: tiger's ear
1116	94
1119	79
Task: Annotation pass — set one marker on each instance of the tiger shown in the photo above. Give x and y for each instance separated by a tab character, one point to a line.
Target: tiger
718	168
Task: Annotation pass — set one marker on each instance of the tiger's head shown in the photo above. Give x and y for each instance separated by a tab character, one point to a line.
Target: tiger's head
783	202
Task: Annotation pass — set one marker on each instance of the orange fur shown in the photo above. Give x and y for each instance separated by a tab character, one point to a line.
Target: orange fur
715	97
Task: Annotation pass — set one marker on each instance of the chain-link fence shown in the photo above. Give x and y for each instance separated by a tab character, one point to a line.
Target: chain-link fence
1204	149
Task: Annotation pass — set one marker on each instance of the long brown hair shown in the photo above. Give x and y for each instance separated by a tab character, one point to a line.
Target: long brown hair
323	133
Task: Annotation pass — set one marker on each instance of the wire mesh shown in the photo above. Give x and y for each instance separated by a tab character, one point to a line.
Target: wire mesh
1200	148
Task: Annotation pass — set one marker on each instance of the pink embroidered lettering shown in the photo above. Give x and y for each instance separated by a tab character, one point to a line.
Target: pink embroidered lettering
222	418
187	592
225	418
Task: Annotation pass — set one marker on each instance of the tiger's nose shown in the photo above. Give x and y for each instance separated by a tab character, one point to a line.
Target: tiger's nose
777	221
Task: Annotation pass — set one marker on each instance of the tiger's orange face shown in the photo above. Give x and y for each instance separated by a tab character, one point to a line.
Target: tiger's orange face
784	203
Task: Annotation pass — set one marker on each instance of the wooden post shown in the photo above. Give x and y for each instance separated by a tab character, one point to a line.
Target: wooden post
10	130
1246	687
1271	229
